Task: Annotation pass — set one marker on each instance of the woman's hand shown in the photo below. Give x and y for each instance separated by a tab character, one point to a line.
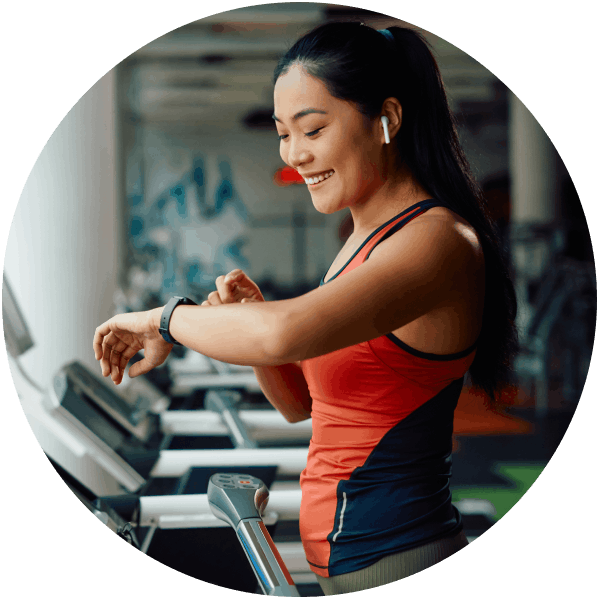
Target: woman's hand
235	287
117	340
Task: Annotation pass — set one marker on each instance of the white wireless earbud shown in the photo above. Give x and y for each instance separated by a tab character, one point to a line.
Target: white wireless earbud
384	123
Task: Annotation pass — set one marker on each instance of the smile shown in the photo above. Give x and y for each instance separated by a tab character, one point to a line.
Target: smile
315	180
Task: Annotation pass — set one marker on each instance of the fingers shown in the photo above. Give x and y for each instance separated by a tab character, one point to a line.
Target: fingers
105	343
213	299
115	355
117	340
106	353
227	291
98	339
121	355
112	349
226	286
239	286
247	288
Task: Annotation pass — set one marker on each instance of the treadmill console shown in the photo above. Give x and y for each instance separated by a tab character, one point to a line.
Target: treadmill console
140	423
108	421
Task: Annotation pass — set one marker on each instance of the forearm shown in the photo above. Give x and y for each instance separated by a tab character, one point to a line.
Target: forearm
246	334
286	389
241	334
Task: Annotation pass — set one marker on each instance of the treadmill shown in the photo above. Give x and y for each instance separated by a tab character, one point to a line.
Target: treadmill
129	445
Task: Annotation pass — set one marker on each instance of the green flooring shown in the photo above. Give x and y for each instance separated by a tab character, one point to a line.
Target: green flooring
520	476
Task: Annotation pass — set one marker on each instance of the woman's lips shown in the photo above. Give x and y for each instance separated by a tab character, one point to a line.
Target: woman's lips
316	180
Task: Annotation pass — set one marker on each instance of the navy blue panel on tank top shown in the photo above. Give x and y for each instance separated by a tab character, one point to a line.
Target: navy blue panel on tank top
409	468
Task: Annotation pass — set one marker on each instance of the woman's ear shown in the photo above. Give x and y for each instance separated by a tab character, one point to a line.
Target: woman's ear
392	110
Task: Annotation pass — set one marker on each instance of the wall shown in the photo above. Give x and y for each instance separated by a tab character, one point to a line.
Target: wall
62	255
204	202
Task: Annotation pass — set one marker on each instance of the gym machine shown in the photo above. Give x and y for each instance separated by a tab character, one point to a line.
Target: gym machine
106	446
240	500
170	516
130	445
172	520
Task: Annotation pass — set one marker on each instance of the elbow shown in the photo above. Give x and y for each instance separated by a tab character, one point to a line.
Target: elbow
297	417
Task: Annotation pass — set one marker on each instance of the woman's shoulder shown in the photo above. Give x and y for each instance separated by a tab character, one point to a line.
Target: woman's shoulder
446	226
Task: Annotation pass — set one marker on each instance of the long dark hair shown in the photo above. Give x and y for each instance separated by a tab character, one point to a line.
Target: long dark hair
363	66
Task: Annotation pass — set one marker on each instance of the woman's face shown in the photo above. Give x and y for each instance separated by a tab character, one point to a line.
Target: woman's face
321	136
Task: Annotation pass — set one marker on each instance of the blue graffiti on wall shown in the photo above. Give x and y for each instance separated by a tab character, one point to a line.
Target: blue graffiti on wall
186	235
225	193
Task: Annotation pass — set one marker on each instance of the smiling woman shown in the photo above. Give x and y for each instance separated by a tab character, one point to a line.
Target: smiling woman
376	355
321	135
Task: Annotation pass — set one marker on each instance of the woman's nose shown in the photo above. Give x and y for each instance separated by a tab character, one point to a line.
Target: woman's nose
298	155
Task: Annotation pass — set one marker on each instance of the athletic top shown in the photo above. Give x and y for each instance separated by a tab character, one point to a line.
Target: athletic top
380	458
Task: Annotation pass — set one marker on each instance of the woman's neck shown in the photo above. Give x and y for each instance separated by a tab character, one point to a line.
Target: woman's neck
394	196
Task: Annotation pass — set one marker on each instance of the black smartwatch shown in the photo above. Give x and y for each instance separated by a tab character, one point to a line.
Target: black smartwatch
167	314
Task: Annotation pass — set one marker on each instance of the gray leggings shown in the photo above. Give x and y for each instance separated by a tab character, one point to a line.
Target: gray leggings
394	567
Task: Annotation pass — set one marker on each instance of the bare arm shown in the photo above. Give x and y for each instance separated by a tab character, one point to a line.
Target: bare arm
424	267
284	386
286	389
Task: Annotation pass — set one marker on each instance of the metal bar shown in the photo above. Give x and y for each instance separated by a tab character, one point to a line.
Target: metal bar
265	559
175	463
222	403
148	538
286	504
262	424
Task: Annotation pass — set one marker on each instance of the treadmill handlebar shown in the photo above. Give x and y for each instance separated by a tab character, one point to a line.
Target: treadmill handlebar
240	500
268	566
224	403
234	497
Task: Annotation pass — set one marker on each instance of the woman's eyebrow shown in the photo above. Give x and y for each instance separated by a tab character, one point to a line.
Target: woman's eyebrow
301	114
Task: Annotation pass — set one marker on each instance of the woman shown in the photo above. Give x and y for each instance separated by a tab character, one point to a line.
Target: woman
418	296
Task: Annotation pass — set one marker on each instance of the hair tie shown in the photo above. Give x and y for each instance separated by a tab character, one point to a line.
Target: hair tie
387	34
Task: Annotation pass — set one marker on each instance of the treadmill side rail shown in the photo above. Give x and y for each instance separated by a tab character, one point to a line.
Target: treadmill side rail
265	559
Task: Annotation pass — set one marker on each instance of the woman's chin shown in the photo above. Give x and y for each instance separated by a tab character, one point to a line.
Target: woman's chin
326	208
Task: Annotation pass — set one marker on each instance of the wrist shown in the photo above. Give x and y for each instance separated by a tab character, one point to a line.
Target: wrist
154	316
165	314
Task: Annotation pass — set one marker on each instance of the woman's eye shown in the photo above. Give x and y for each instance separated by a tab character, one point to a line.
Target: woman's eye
310	134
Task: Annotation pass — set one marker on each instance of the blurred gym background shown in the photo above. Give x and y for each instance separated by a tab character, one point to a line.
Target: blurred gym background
167	174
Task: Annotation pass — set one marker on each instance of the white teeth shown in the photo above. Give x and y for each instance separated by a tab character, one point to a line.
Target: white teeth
320	178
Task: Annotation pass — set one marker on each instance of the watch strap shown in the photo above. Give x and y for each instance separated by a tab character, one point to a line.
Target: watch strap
167	314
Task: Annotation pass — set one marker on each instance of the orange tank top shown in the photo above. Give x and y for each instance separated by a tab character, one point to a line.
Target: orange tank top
376	480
